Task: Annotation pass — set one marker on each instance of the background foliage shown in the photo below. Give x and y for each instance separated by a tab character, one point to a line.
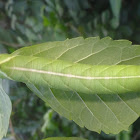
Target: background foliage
27	22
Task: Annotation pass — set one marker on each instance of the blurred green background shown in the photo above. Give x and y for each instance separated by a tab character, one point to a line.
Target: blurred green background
28	22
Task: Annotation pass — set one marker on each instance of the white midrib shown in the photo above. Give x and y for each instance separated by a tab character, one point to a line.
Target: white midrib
71	75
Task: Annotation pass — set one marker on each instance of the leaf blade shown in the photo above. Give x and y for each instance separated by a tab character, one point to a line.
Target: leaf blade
64	138
100	52
5	111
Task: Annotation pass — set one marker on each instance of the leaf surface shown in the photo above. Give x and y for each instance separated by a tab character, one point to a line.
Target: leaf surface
64	138
97	112
5	111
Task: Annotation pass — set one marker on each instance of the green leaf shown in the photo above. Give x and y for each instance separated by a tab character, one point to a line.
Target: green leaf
115	7
5	111
97	105
64	138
